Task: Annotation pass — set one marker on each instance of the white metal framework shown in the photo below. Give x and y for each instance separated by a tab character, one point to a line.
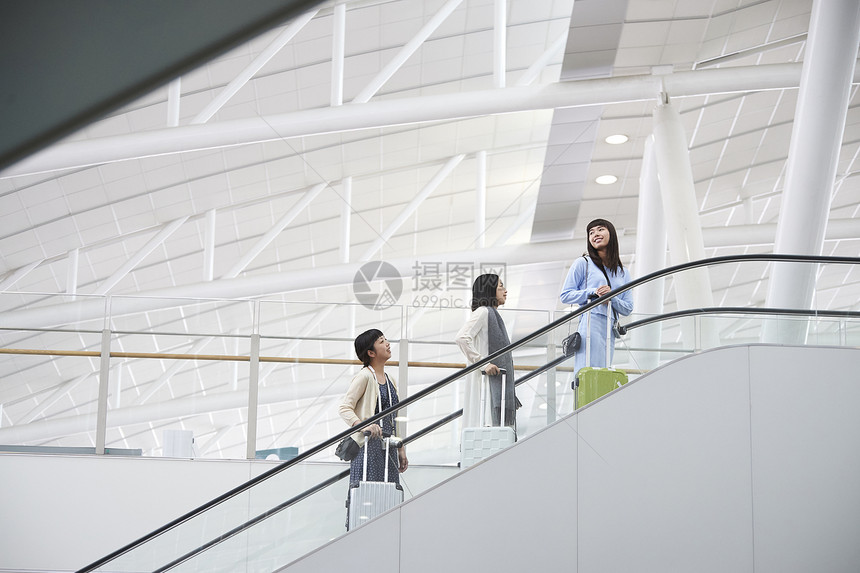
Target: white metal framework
424	134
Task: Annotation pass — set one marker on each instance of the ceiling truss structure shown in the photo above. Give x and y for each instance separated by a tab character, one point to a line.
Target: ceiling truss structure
418	133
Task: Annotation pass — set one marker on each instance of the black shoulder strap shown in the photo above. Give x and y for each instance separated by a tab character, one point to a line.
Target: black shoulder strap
609	284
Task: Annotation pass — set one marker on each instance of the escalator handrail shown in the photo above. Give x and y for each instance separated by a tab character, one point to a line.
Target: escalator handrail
460	374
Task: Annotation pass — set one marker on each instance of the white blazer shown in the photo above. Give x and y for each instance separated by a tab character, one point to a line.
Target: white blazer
474	342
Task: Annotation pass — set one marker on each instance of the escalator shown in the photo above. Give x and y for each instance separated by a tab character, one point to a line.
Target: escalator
298	506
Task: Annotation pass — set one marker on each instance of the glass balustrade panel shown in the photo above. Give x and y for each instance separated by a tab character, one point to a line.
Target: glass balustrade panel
163	401
50	367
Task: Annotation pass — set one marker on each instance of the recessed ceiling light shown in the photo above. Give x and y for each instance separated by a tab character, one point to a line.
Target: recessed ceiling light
616	139
606	179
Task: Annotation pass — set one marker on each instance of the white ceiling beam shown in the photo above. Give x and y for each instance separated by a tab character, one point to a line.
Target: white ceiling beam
524	217
413	206
201	452
326	407
171	370
135	260
18	274
403	111
405	52
272	233
543	61
338	42
343	274
747	52
261	60
55	397
152	413
262	285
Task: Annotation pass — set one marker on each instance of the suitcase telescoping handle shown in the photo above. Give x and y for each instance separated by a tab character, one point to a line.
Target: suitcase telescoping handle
367	447
504	374
397	442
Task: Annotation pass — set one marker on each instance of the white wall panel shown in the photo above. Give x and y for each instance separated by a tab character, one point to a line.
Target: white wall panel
806	459
667	470
371	547
499	515
737	459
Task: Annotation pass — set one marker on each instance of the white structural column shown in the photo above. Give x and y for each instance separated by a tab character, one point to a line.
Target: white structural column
116	378
245	75
345	219
480	199
338	43
413	206
405	52
500	36
136	259
649	256
174	92
816	137
102	402
253	391
209	245
270	235
72	272
683	228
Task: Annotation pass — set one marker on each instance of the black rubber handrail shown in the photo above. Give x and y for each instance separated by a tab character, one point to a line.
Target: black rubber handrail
743	310
699	312
461	373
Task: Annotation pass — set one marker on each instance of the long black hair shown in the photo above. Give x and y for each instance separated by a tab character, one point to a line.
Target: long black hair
364	343
484	291
613	259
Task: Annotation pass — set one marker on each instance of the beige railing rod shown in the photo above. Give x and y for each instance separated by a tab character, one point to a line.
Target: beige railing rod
227	357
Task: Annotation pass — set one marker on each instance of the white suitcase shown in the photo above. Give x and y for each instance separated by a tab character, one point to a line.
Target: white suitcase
372	498
483	441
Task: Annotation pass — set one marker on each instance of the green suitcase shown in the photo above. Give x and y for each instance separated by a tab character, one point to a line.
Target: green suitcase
596	382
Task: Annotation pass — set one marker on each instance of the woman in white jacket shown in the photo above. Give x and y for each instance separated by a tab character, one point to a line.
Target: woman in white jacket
370	392
482	334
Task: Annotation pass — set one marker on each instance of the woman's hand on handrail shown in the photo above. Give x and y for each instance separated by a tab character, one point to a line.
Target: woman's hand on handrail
374	429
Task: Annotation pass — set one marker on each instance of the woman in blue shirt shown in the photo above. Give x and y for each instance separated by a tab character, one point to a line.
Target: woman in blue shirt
591	276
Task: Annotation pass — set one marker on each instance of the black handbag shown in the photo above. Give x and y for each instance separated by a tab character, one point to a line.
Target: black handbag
347	449
571	343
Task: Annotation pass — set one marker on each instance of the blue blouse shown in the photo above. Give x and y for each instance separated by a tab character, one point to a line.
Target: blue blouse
576	288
